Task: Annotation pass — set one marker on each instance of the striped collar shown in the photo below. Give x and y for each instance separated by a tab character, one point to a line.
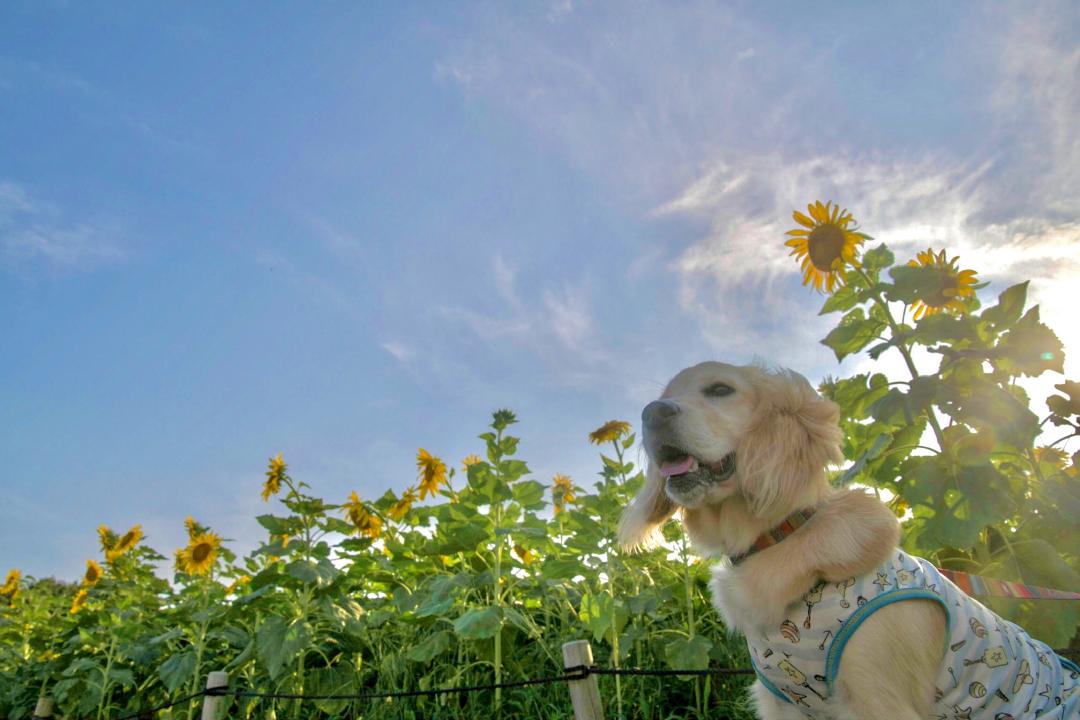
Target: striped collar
791	523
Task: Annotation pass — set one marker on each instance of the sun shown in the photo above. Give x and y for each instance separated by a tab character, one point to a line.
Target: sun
827	242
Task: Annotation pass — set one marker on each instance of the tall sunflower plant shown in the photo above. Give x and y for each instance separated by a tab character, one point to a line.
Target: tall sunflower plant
115	613
982	483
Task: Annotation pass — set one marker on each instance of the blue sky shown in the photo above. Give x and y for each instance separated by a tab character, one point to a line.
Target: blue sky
344	231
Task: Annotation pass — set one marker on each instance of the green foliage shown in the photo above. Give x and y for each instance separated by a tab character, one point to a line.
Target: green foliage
481	581
958	449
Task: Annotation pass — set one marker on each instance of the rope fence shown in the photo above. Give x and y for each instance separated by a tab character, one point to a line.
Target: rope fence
579	673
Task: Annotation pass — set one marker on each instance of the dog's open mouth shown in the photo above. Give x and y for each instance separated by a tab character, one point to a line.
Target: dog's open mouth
676	462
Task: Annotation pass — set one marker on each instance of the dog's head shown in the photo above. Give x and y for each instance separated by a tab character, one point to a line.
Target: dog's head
719	430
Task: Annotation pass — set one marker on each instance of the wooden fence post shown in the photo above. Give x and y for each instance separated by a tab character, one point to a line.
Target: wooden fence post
585	693
43	710
213	707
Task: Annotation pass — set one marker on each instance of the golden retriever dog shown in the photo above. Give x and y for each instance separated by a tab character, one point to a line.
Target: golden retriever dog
741	453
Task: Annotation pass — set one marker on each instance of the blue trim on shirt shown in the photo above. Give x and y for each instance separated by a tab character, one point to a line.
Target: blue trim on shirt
1067	663
768	685
836	647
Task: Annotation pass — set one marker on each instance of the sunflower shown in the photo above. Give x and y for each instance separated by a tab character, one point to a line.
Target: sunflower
954	285
179	560
127	542
432	472
107	538
610	431
1051	456
93	573
562	492
201	552
194	528
79	601
10	587
398	510
526	556
238	583
827	242
275	474
365	522
469	461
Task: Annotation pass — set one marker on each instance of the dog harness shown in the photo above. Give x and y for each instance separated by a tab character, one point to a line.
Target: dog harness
991	668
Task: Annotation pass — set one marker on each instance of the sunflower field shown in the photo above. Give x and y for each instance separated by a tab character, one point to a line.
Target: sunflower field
469	577
479	573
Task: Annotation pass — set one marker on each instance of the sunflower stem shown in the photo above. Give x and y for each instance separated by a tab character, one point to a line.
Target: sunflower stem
905	351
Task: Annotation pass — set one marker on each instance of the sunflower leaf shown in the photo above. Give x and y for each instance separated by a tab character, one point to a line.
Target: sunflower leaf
853	336
177	670
1009	307
479	623
433	645
688	653
912	283
878	258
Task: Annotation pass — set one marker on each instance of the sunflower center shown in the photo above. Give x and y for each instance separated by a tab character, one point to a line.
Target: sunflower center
826	243
940	297
200	552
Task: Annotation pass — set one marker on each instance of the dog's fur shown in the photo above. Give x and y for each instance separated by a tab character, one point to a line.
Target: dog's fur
784	435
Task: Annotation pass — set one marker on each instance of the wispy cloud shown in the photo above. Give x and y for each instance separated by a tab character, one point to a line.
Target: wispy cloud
734	149
36	234
555	326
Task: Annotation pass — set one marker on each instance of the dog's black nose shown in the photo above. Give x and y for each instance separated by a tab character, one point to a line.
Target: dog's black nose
658	412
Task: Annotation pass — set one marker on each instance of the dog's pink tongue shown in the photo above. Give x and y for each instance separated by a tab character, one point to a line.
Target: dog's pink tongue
670	469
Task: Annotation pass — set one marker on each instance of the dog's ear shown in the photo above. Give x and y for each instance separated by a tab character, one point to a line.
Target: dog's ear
794	434
639	527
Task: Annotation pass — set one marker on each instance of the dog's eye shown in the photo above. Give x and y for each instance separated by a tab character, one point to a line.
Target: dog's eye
718	390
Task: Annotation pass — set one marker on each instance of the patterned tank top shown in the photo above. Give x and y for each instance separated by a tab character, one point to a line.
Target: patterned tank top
991	668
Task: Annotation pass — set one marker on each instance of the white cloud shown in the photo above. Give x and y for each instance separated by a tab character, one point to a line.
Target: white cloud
719	156
1037	98
33	233
554	327
396	349
569	318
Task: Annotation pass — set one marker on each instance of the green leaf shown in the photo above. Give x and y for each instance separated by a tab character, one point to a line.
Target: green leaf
878	258
530	494
276	525
278	642
887	407
688	653
122	676
339	679
335	524
880	443
479	623
512	470
944	327
845	298
853	334
991	408
437	598
460	537
177	670
1009	307
321	573
561	567
1030	348
912	283
596	613
433	645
